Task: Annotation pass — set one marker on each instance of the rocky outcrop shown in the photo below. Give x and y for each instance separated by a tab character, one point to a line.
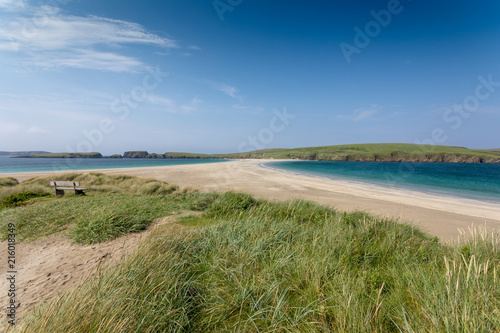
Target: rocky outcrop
135	154
397	157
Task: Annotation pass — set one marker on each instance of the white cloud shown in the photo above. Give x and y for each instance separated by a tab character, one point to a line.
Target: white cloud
57	31
85	59
171	106
157	100
49	39
249	108
12	4
228	90
363	113
194	47
192	106
12	128
9	128
225	88
36	130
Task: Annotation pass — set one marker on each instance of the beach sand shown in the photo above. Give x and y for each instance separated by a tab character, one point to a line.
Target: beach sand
438	215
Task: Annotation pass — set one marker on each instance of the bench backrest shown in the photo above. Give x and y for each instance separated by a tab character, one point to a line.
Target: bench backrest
64	183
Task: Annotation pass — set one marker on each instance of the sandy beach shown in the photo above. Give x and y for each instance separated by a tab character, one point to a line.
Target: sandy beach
438	215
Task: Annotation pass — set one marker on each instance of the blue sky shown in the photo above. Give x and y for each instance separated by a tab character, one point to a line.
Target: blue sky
235	75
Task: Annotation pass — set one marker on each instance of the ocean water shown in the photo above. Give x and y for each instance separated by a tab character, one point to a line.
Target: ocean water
14	165
467	180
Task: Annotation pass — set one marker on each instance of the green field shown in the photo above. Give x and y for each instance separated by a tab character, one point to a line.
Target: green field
392	152
395	152
251	265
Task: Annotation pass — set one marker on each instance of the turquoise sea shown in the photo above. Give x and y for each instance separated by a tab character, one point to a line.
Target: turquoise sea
468	180
14	165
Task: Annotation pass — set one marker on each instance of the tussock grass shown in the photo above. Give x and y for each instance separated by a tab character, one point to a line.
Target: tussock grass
90	219
104	183
18	199
114	205
8	181
257	266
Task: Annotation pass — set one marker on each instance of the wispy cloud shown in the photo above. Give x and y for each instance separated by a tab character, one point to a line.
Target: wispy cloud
170	106
158	100
12	4
36	130
248	108
362	113
85	59
225	88
78	42
11	128
192	105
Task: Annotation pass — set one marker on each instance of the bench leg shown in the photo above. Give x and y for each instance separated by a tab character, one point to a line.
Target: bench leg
79	192
59	192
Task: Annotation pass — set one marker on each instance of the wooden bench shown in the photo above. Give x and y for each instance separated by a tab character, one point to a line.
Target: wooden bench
60	186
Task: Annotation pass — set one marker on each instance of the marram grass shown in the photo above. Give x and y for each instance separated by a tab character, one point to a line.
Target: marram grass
256	266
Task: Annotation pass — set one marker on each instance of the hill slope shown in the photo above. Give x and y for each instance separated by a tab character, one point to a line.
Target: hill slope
390	152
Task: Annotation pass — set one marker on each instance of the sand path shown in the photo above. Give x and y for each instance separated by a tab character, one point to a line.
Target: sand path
51	266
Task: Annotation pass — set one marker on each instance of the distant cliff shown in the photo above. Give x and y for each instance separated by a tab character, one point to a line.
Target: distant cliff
135	154
64	155
21	153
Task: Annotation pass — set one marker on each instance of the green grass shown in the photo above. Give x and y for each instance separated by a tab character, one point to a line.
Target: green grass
257	266
18	199
114	205
90	219
379	152
394	152
185	155
8	182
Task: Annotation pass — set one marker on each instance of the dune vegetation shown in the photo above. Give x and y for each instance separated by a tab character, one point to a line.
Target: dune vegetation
251	265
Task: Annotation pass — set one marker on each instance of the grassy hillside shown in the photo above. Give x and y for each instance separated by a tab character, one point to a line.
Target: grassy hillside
491	151
185	155
393	152
250	265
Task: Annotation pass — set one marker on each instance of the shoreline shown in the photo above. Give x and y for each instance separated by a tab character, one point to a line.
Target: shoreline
450	195
437	214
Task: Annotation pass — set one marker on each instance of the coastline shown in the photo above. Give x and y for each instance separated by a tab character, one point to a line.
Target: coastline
439	215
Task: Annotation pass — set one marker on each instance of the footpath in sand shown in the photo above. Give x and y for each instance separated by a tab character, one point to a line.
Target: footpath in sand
51	266
438	215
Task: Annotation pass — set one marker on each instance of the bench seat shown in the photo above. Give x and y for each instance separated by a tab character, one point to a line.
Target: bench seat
61	186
